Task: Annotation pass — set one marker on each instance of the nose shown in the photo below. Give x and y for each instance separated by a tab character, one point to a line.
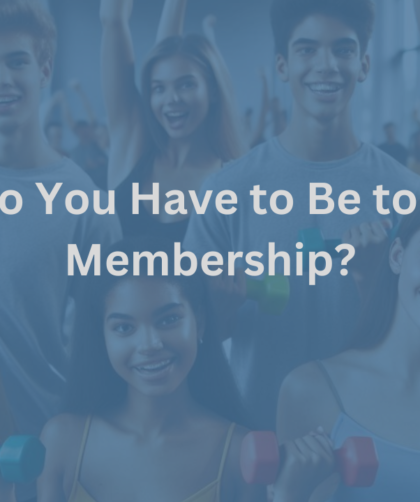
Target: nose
148	340
173	96
326	62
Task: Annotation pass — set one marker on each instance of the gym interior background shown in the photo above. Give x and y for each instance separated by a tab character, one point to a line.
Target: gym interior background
391	92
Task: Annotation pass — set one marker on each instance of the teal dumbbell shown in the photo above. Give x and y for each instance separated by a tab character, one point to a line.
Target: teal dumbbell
21	459
272	294
314	242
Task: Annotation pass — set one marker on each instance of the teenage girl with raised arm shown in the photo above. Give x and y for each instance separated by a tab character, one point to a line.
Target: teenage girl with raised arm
182	126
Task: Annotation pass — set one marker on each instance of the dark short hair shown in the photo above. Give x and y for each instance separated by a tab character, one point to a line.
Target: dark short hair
29	17
286	15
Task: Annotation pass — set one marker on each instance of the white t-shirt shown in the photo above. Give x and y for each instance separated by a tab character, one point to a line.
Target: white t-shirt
35	287
319	320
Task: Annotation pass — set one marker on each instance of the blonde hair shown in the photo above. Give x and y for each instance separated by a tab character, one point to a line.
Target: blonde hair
225	132
29	17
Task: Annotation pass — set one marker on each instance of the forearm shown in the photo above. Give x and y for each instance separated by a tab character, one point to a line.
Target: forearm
259	131
417	9
118	70
87	106
172	19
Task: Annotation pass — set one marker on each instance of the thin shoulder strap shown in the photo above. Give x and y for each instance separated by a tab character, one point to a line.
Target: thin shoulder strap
331	385
81	454
224	457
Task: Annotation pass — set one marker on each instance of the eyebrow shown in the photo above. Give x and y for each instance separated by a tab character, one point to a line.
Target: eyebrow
158	312
184	77
166	308
17	53
310	41
124	317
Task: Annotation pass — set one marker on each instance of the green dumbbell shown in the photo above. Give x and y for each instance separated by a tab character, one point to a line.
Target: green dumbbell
21	459
313	242
272	294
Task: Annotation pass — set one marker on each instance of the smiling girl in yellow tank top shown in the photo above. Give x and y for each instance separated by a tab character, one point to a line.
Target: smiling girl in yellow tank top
151	401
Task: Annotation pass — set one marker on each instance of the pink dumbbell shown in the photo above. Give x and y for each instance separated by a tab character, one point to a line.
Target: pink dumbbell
357	460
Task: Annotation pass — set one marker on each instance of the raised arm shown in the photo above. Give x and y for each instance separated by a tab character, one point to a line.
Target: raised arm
65	110
52	102
261	123
122	99
172	19
87	105
417	9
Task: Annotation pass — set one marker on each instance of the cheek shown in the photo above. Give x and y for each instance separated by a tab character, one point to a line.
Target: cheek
156	105
117	353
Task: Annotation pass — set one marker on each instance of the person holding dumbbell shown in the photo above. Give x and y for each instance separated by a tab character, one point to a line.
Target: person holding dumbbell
372	389
151	402
322	53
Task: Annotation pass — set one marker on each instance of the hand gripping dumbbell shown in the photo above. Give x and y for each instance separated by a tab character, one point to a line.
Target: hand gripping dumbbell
314	242
272	293
21	459
356	460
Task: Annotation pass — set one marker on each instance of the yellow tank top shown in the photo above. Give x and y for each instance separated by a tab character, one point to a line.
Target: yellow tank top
210	493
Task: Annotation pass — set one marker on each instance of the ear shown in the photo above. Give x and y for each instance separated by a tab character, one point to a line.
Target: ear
46	71
364	70
396	256
201	327
282	67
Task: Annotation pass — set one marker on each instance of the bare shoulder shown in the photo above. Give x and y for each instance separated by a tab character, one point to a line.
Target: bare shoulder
63	428
306	401
62	436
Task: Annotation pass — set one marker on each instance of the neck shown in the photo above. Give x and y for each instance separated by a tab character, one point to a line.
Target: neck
194	150
25	148
320	141
401	349
155	416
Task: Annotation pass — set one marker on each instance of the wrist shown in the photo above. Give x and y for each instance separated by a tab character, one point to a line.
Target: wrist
113	20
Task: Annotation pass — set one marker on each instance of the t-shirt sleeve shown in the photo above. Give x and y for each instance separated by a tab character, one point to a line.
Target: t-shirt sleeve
208	232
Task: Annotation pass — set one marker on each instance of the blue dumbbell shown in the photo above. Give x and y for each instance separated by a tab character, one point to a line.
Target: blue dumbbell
21	459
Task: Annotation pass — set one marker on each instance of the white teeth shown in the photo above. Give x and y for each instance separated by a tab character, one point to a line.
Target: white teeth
156	366
325	87
175	115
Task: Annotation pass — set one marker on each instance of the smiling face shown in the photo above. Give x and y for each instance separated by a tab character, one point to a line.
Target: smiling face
151	335
406	263
21	79
323	66
179	96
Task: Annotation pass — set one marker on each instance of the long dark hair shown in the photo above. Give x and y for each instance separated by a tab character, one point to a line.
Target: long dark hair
94	386
379	310
224	127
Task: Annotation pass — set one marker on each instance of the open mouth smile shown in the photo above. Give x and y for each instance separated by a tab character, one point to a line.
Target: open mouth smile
176	120
325	88
155	369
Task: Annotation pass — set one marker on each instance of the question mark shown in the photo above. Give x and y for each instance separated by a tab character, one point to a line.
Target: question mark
351	253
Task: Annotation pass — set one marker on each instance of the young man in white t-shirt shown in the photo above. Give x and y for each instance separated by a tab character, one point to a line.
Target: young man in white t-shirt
34	285
321	52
